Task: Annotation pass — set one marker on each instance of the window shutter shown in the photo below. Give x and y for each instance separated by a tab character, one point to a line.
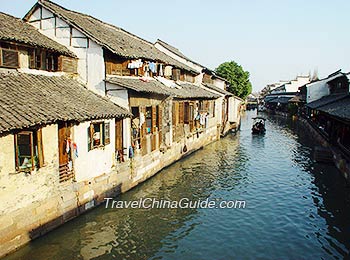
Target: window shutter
181	112
175	112
69	65
186	113
107	133
10	58
119	134
191	116
154	119
40	148
160	117
89	136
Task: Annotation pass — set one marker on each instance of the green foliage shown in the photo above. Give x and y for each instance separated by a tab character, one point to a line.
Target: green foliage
237	77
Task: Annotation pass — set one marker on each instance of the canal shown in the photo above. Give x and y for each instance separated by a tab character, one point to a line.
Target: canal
295	208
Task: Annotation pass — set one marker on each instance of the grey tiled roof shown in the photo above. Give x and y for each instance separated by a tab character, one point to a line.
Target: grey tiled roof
325	100
28	100
192	91
112	37
15	30
176	51
137	84
215	88
282	100
182	90
339	108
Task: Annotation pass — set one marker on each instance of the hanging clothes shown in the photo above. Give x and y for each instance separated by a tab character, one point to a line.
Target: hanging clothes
131	152
152	67
168	71
68	144
75	150
146	70
206	121
160	73
202	119
135	64
142	119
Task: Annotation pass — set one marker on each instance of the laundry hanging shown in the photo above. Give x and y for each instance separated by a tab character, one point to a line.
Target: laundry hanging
152	67
160	73
168	71
135	64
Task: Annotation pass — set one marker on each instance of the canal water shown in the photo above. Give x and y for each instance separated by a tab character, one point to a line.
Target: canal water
295	208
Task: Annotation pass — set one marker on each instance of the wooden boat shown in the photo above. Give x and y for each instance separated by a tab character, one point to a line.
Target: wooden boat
258	125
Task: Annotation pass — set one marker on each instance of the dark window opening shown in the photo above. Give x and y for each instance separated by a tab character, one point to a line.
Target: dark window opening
98	135
148	119
9	58
28	149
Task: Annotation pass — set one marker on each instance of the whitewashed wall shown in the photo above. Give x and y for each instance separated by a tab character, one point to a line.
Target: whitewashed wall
233	109
118	95
95	162
91	68
219	83
316	90
127	134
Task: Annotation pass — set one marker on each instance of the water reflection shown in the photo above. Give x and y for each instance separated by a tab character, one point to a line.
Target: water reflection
296	208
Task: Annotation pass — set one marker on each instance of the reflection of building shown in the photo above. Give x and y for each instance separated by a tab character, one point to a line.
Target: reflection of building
90	110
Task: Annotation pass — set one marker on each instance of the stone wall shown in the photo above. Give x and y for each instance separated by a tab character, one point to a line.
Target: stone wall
34	204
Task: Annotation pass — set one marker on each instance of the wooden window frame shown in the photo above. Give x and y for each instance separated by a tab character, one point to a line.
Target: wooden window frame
2	58
136	129
38	59
91	132
181	112
36	150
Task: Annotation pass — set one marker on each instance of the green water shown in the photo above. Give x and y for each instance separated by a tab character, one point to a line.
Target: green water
295	208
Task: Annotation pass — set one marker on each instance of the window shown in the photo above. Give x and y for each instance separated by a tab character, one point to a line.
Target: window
37	59
135	125
28	149
159	118
148	119
181	112
98	135
9	58
187	113
51	62
42	60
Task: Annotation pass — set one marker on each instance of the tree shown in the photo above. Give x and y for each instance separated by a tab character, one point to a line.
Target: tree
237	78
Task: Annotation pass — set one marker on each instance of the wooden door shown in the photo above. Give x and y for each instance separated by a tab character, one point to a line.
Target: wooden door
64	151
119	135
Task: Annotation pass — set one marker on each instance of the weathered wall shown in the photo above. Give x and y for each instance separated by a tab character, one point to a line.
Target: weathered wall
100	159
91	68
118	95
51	203
316	90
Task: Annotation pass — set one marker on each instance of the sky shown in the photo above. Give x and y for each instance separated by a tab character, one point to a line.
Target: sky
272	39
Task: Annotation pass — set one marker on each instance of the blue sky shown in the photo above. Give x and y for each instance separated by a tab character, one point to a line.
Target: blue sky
273	40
